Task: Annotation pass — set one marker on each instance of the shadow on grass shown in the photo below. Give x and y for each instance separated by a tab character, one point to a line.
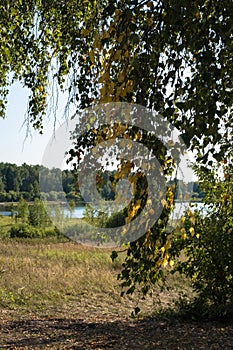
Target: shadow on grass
148	333
198	310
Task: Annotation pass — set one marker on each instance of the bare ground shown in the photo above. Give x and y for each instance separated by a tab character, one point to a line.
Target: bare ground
95	330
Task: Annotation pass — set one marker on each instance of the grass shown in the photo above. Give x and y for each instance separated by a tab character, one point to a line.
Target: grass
41	275
57	294
5	224
41	278
51	274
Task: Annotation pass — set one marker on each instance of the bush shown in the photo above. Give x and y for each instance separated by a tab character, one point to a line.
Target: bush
207	242
51	232
208	248
116	219
25	231
28	231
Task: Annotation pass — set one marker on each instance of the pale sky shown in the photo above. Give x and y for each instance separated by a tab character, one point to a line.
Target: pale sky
14	146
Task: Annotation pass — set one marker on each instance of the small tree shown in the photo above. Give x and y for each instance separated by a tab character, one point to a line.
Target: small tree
22	210
37	214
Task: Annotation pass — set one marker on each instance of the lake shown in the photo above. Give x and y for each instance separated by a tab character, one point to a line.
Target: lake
78	212
5	213
180	208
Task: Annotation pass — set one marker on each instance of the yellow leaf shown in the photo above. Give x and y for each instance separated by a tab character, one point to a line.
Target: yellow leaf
184	234
190	213
192	220
126	54
121	37
137	136
169	160
165	262
118	12
85	32
192	231
129	86
171	263
182	220
122	76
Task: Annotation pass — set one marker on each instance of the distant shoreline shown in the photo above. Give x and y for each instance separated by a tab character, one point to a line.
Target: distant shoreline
198	200
193	200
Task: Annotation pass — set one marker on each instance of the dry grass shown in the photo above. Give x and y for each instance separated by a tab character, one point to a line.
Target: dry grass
43	276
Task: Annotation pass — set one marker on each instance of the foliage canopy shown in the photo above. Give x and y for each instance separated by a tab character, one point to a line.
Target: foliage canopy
172	56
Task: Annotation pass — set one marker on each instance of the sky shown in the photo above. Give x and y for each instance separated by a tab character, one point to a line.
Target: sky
15	146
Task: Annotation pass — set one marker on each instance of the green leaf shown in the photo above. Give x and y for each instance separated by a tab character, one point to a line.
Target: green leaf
114	255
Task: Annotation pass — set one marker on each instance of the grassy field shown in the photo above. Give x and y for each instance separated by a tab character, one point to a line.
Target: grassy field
61	295
40	275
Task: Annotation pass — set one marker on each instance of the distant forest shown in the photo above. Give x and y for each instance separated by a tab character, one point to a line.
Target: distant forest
22	181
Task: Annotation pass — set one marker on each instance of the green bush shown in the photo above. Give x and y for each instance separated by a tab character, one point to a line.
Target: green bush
207	243
28	231
25	231
116	219
209	258
52	232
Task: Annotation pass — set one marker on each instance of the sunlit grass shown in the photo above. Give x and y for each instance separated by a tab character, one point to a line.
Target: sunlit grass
53	273
40	275
5	224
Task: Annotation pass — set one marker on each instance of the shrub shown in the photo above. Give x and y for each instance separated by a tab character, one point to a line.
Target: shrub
28	231
207	242
25	231
116	219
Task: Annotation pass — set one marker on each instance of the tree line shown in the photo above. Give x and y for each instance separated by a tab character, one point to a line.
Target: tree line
23	182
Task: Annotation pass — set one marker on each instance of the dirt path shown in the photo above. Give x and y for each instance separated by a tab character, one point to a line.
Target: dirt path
108	332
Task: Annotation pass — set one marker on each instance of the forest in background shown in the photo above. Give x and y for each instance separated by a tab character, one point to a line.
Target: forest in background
23	182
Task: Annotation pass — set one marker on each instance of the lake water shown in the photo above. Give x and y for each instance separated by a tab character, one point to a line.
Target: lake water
180	208
5	213
79	211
